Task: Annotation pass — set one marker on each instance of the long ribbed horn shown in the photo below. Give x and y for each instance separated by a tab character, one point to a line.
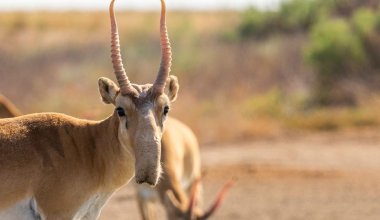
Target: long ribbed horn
219	199
121	76
193	197
166	54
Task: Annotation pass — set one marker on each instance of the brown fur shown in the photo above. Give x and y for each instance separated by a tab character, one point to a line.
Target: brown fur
58	156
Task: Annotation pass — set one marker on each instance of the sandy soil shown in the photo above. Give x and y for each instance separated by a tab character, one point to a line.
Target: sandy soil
328	176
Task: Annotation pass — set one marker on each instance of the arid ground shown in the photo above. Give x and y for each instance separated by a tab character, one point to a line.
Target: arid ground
324	176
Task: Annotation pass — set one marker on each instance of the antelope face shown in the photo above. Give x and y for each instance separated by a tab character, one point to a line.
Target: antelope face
142	118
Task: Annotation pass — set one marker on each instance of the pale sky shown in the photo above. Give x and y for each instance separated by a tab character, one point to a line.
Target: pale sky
10	5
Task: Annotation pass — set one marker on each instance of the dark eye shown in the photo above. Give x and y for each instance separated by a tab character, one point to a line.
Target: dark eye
120	111
166	110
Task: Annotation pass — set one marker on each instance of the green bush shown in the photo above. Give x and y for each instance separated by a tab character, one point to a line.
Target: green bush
346	8
292	15
298	14
255	23
334	48
365	21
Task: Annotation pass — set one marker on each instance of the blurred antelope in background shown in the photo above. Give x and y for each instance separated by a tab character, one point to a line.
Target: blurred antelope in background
53	166
180	188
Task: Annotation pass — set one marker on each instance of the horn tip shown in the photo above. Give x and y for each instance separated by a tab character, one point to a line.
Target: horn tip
112	3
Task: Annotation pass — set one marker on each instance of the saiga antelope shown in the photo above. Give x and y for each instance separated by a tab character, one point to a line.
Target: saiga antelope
180	188
54	166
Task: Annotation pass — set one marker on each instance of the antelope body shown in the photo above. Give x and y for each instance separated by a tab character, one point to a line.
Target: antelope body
54	166
62	164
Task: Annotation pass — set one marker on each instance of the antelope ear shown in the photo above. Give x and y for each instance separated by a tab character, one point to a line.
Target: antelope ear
172	87
108	90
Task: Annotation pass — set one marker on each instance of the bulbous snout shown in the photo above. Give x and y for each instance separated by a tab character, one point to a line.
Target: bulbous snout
147	144
150	178
148	166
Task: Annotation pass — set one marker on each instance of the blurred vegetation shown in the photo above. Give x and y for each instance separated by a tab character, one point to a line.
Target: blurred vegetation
343	41
294	15
311	65
366	21
334	51
334	48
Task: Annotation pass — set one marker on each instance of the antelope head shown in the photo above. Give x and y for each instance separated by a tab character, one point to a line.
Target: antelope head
190	210
141	109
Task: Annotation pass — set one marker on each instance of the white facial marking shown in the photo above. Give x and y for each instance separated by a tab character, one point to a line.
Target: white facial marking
125	102
92	207
147	192
23	210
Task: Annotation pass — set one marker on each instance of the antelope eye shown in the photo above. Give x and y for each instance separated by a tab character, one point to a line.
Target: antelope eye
166	110
120	111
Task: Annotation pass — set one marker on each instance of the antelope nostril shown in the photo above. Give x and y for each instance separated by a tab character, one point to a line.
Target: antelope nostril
153	180
146	179
151	183
142	179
